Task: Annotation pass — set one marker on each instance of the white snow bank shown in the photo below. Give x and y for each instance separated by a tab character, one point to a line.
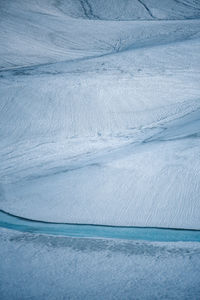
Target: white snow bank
99	119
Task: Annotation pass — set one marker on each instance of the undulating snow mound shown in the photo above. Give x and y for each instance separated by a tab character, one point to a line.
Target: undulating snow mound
127	10
99	119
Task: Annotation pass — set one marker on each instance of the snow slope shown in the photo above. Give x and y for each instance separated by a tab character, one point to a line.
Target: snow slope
99	111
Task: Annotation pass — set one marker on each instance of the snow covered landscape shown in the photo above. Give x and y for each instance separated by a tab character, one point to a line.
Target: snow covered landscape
99	125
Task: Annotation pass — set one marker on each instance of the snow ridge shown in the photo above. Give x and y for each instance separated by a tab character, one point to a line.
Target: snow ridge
99	111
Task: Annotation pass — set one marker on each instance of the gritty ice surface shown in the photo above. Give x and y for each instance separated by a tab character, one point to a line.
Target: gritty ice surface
99	111
47	267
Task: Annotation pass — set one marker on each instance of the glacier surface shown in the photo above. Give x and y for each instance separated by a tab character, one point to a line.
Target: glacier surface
99	111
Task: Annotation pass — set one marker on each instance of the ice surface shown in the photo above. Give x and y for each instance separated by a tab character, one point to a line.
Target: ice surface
99	111
47	267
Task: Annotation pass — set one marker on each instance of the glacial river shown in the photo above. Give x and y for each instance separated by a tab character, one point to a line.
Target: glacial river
10	221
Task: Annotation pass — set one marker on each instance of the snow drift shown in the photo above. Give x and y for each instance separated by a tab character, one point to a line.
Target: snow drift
99	111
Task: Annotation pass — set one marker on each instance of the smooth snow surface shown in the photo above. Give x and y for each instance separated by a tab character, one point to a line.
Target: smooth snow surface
100	111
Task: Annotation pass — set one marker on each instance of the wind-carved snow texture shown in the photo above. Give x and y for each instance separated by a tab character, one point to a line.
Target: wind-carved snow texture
99	111
87	9
146	7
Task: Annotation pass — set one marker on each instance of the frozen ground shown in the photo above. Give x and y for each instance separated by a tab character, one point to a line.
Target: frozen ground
47	267
99	111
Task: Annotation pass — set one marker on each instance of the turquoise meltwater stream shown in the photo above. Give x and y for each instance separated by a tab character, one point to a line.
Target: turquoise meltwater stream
10	221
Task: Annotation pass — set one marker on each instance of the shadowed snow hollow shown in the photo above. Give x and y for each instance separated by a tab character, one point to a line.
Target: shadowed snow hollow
99	119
